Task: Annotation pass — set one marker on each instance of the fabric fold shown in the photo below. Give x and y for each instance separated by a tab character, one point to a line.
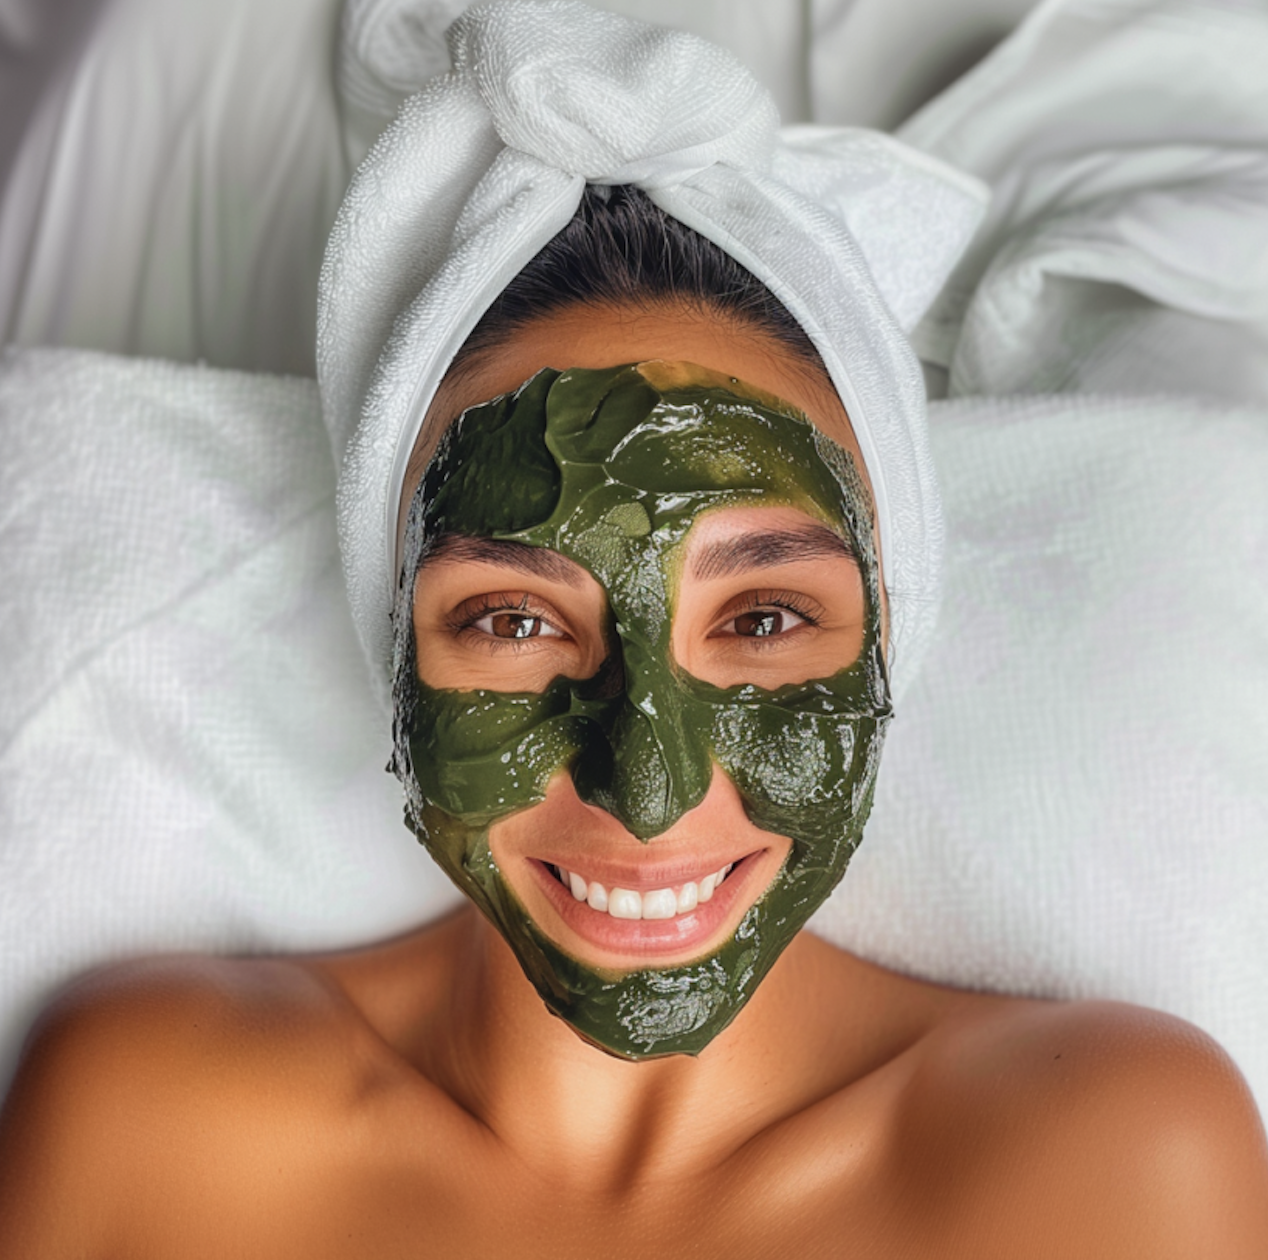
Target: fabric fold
1126	143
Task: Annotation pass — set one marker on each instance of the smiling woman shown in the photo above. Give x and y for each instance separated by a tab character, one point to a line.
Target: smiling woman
636	546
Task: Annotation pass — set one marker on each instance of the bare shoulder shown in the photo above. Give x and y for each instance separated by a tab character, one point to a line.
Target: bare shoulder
140	1084
1089	1128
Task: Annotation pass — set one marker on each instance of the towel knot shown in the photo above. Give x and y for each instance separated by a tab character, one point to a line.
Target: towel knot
614	105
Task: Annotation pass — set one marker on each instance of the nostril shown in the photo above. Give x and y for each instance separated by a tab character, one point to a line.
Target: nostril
642	771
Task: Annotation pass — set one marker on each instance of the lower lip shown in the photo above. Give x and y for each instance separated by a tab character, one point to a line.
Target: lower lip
648	938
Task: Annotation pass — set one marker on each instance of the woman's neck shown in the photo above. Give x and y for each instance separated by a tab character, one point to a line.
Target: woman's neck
584	1117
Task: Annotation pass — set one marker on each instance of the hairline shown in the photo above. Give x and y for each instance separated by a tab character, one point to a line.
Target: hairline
469	361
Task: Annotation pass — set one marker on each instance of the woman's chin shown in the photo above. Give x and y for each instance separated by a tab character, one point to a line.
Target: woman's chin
623	917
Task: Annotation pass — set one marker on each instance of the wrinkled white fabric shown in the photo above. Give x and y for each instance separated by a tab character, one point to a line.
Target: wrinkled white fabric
175	180
169	171
1126	245
485	164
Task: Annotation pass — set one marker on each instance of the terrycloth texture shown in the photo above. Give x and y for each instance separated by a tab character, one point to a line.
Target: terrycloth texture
1074	796
485	164
190	757
1126	245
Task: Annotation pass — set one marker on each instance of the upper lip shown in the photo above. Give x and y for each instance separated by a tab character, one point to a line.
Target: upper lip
645	875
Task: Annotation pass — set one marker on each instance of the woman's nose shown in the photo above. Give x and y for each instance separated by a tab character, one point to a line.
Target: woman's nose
653	761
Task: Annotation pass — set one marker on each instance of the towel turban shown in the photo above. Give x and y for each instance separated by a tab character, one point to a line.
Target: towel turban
851	230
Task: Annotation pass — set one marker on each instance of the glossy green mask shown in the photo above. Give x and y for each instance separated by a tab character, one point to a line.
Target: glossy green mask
611	468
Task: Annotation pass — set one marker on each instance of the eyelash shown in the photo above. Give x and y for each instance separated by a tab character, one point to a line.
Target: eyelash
808	610
463	618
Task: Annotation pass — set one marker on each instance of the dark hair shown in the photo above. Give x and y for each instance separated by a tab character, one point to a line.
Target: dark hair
621	249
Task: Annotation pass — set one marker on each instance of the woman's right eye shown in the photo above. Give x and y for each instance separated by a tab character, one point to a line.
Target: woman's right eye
505	618
504	640
515	624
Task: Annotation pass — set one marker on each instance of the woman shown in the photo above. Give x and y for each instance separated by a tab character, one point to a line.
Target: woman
644	630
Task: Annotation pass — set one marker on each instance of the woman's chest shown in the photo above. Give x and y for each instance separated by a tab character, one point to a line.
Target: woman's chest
508	1216
461	1201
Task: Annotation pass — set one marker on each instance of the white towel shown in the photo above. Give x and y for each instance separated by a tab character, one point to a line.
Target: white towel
190	755
853	232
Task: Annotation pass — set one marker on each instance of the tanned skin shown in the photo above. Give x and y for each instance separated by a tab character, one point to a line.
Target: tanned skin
417	1100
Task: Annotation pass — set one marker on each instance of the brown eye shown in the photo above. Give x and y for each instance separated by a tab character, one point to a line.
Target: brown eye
515	625
765	622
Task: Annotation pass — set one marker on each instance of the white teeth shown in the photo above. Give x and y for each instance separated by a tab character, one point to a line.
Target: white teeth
656	903
624	903
660	903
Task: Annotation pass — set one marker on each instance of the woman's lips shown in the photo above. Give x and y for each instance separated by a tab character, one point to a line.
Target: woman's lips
614	917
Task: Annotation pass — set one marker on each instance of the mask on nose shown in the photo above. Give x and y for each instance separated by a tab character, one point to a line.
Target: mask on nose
611	468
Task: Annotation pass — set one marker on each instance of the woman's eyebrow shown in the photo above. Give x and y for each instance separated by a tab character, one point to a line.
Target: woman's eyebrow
767	549
535	561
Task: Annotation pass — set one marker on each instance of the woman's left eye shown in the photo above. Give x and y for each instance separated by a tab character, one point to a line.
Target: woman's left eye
762	623
509	624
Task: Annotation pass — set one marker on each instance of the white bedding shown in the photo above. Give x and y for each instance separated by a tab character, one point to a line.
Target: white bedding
189	755
169	171
1075	799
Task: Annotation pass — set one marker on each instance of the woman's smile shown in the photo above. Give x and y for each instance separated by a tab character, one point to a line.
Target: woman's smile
614	902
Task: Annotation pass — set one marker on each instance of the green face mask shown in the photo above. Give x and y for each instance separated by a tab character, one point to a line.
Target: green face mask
611	468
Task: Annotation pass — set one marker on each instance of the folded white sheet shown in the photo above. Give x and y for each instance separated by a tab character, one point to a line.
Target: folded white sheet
1126	245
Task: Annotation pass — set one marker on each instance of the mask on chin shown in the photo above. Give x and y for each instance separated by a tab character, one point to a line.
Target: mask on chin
611	468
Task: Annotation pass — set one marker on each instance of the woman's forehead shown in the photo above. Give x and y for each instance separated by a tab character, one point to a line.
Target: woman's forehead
587	337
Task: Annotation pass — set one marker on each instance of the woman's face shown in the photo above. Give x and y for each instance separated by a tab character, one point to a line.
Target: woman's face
715	721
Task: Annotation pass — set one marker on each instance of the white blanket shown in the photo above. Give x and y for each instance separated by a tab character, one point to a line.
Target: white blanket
1073	800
